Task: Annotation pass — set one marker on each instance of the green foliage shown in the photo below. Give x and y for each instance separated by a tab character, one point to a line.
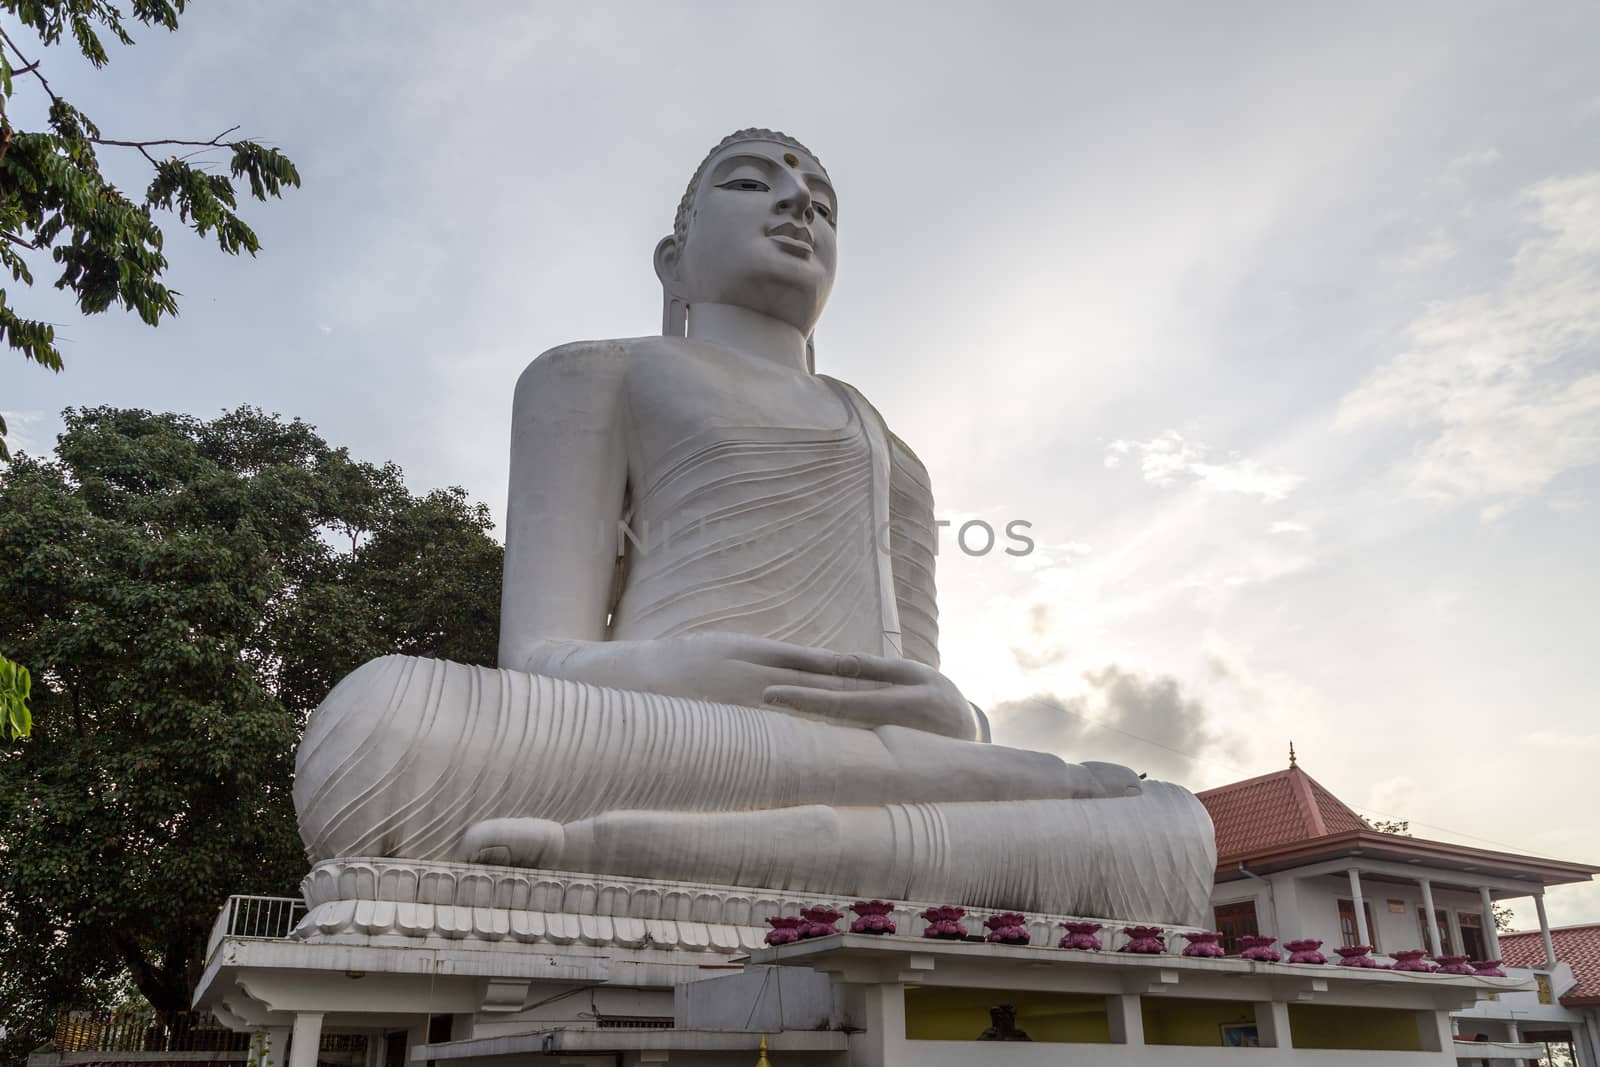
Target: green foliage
1399	827
15	686
54	200
186	591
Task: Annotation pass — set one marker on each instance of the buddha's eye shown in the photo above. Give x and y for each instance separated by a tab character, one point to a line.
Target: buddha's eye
824	210
747	185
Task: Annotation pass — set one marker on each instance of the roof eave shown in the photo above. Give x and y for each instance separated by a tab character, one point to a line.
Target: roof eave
1336	846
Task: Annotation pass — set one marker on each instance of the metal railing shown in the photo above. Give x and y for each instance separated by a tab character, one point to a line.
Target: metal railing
144	1030
143	1035
247	916
263	916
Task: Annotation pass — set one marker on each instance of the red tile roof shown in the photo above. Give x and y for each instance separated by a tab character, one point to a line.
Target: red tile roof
1273	811
1577	946
1287	819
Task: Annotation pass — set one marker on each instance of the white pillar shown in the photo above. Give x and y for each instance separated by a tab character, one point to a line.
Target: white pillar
1544	931
376	1047
1363	935
416	1037
1437	1031
882	1043
1591	1033
306	1041
1126	1018
270	1045
1286	908
1272	1024
1583	1042
1433	919
1491	932
1453	918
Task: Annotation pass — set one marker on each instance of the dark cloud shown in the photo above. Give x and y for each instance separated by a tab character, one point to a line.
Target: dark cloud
1147	722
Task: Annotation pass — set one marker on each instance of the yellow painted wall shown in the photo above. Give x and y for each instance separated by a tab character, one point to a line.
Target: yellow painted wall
1176	1021
1332	1026
945	1014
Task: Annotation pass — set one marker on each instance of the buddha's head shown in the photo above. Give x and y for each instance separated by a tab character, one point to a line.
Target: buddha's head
756	228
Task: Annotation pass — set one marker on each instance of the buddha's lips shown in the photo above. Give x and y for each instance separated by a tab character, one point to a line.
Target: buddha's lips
793	238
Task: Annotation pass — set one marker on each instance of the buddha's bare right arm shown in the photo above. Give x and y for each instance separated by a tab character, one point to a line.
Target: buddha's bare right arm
569	470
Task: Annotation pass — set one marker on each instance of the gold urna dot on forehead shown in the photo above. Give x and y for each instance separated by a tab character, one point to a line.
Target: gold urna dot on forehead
791	159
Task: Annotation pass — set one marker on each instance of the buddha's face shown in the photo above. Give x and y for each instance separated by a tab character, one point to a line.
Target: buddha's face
761	235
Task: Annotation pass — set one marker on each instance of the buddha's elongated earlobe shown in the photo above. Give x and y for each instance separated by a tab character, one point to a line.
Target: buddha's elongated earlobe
674	309
674	316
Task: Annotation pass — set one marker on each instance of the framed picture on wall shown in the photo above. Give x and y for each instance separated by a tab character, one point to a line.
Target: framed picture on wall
1240	1035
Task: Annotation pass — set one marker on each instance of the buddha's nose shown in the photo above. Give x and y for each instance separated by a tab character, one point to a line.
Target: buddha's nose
798	204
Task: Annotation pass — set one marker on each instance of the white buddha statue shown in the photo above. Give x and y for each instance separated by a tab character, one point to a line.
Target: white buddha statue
744	688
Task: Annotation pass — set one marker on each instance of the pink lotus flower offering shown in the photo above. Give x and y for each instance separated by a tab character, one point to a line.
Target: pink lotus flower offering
873	917
819	922
1357	956
785	929
1008	928
944	923
1305	951
1487	969
1259	948
1080	936
1453	964
1204	943
1411	960
1144	940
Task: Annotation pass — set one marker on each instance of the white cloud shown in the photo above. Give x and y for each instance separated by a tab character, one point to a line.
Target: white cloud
1393	798
1169	459
1436	248
1502	383
1567	742
1051	556
1467	162
1285	527
19	436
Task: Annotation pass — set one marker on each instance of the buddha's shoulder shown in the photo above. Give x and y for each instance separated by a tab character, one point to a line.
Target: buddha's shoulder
901	454
610	356
596	362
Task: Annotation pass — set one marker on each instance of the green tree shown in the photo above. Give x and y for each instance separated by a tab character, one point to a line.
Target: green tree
16	684
56	203
187	592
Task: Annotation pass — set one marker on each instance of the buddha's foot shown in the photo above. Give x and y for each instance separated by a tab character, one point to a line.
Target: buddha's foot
514	842
1148	856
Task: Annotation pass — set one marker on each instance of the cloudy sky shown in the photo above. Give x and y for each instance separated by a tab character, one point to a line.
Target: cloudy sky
1279	323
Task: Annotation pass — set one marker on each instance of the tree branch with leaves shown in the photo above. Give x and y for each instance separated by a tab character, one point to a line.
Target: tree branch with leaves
16	686
56	203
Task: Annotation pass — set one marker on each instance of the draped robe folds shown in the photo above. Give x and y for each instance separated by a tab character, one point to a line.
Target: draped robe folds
429	760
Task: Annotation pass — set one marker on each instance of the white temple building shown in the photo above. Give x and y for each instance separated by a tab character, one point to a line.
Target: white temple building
1294	860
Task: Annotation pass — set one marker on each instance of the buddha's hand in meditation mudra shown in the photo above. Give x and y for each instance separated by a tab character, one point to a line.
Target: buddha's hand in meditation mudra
926	729
850	689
